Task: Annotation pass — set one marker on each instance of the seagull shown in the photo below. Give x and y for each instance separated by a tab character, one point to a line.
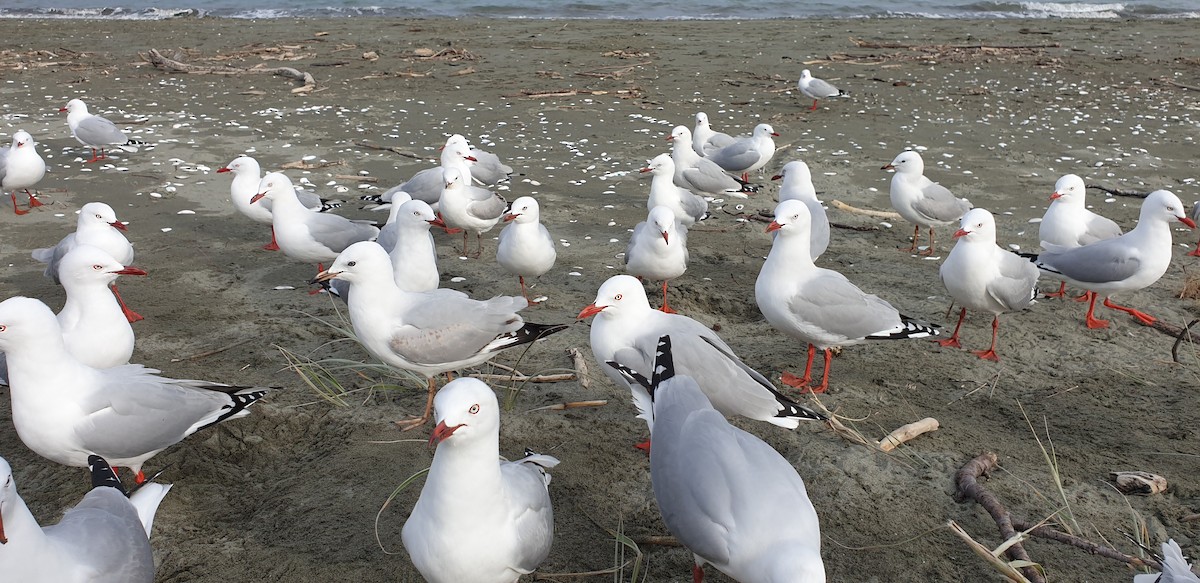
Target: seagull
817	88
303	234
657	250
797	185
1175	568
746	154
688	208
21	168
726	495
427	185
98	226
526	248
920	200
486	167
246	176
982	276
820	306
469	207
479	517
413	253
428	333
627	329
96	132
65	410
704	137
698	174
1127	263
1068	223
103	539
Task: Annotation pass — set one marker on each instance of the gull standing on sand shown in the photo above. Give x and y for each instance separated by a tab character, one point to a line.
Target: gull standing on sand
921	201
21	168
479	518
705	138
468	207
526	248
103	539
427	185
302	233
688	208
98	226
657	250
246	176
96	132
982	276
816	88
820	306
1175	568
486	167
1068	223
746	154
626	330
698	174
728	496
1130	262
798	185
430	332
64	410
412	251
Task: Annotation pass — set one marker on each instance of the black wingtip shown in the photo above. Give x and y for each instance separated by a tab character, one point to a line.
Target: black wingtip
538	331
103	474
1032	257
631	376
664	362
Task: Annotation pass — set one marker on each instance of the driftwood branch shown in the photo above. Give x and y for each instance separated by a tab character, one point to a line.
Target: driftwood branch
908	432
1184	334
837	204
581	367
392	149
1055	535
158	60
967	487
1118	192
1180	85
865	44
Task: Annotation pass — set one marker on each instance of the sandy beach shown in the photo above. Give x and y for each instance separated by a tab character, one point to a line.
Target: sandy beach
1000	109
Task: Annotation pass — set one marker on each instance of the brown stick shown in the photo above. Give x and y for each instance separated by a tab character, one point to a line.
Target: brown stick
837	204
968	488
209	353
1181	85
1055	535
1117	192
581	367
394	150
158	60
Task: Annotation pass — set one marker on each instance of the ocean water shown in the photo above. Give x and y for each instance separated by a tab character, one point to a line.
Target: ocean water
605	9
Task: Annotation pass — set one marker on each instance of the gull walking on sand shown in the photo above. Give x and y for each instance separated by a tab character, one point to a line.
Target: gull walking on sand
430	332
698	174
688	208
820	306
746	154
526	248
626	330
1130	262
705	138
921	201
97	226
468	207
96	132
657	250
103	539
728	496
982	276
20	169
816	89
479	517
1068	223
798	185
246	176
64	410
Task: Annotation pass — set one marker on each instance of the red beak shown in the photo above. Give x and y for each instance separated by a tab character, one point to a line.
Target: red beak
961	233
437	223
589	311
257	197
1189	222
774	226
20	144
472	158
441	432
1055	195
644	170
665	239
777	177
3	539
118	225
223	169
888	167
130	270
670	138
510	216
62	109
776	134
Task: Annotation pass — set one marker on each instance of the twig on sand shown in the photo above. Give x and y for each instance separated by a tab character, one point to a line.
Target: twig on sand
1007	569
581	367
158	60
303	165
967	487
837	204
1180	85
907	432
356	177
1184	333
520	378
392	149
571	405
1048	533
865	44
1118	192
209	353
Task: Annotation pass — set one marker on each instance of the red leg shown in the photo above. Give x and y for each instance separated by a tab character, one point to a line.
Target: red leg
697	574
814	107
1142	317
1195	252
792	380
273	245
929	251
94	157
130	315
478	245
1085	296
1092	321
644	446
824	386
140	478
666	307
320	268
990	353
745	177
916	237
953	339
33	201
1062	291
15	209
416	422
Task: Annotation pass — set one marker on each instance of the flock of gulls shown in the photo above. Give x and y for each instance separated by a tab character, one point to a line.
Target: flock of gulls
728	496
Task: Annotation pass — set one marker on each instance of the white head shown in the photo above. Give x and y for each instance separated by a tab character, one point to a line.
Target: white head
85	264
22	139
1069	189
764	130
908	162
94	213
26	323
456	150
791	218
465	410
76	106
621	294
978	225
661	165
681	135
416	213
794	172
663	220
362	261
805	75
453	178
242	166
701	119
524	210
1165	206
274	186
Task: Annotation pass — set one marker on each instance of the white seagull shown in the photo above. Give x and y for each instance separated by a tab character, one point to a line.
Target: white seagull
412	250
427	184
1127	263
745	154
486	167
1175	568
697	173
921	201
526	248
304	234
627	329
816	88
688	208
479	518
103	539
65	410
468	207
1068	222
246	176
727	495
96	132
982	276
97	225
820	306
430	332
798	185
704	137
21	168
657	250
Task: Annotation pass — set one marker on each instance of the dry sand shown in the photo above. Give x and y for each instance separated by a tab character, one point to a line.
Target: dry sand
291	493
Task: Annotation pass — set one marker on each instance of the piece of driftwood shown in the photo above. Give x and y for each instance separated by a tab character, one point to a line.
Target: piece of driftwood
907	432
581	367
158	60
1009	572
392	149
1180	85
356	177
1043	531
212	352
520	378
841	206
1138	482
304	165
967	487
865	44
1119	192
571	405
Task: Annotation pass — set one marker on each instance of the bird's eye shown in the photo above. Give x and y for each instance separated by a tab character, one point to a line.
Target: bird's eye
474	409
97	267
3	327
99	217
352	264
617	297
